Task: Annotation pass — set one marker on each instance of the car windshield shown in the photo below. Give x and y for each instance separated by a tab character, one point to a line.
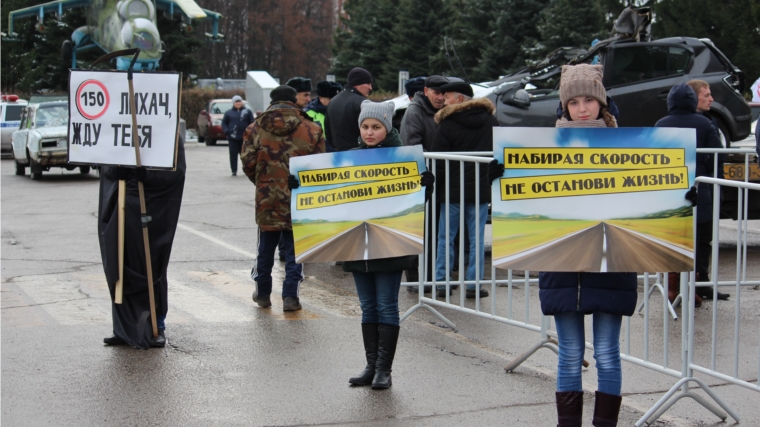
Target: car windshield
53	115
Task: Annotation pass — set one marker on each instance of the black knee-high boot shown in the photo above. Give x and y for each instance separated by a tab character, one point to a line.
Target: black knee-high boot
569	408
369	334
386	350
606	410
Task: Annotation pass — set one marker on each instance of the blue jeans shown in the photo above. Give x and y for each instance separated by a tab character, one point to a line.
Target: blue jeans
378	296
571	337
470	210
262	269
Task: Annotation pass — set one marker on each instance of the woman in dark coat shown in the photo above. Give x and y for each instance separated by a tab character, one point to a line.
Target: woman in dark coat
569	297
378	280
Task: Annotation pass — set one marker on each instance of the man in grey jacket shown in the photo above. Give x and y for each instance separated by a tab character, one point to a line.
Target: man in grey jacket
418	125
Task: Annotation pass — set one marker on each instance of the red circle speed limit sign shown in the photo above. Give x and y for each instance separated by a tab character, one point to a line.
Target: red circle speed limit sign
92	99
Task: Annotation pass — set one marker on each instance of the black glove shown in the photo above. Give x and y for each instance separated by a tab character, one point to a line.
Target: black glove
691	196
495	170
427	179
120	173
293	182
140	174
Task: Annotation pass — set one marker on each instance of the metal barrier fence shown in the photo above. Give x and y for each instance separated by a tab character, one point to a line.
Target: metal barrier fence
682	368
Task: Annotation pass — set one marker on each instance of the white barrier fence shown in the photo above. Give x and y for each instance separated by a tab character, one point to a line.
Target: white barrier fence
640	328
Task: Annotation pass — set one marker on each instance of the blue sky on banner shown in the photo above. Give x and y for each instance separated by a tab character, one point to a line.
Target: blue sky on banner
598	206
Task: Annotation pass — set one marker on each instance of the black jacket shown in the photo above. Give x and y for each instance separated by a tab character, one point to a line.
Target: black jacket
380	265
342	119
682	113
163	199
235	121
464	127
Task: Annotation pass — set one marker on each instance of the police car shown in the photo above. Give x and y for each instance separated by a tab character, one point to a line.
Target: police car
10	119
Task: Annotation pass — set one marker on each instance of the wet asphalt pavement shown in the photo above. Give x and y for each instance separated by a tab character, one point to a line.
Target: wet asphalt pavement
230	363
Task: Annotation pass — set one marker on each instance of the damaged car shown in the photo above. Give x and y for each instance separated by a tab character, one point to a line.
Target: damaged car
41	141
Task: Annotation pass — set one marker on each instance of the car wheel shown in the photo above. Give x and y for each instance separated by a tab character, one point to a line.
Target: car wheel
84	170
35	170
20	169
210	141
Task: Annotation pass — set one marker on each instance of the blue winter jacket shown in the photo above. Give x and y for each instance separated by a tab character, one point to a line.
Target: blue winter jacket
682	113
235	122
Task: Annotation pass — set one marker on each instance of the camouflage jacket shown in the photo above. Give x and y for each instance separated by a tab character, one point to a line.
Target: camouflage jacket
281	132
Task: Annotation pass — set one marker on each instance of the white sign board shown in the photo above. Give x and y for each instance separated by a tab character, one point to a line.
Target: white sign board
100	121
756	91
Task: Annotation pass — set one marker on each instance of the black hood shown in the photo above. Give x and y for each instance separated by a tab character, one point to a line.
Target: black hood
471	114
682	100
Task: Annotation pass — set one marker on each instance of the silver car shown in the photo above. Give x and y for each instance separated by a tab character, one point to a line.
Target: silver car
40	143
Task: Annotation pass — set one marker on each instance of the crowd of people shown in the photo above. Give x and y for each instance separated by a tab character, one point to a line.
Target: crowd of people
443	116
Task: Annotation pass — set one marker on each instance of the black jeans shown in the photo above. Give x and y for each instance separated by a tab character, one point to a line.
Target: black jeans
235	145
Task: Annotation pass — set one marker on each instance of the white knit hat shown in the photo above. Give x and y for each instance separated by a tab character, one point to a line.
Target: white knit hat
581	80
380	111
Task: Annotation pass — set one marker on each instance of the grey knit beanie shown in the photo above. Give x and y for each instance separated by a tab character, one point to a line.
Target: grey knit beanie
380	111
581	80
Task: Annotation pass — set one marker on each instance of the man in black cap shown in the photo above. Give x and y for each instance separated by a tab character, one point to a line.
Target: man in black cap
342	116
303	90
283	131
317	108
414	85
418	125
464	124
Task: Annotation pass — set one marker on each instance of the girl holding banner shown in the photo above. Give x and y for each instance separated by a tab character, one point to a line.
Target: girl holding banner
378	280
570	296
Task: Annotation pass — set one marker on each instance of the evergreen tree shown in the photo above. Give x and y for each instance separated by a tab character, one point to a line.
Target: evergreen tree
352	38
417	40
730	25
570	23
515	24
182	47
470	31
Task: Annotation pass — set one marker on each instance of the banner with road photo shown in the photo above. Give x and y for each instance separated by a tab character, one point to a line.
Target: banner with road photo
593	200
358	204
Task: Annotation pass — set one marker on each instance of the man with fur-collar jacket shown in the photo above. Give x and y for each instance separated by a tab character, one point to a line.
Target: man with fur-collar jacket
281	132
464	124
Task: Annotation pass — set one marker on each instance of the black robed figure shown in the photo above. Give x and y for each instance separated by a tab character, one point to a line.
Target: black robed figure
163	198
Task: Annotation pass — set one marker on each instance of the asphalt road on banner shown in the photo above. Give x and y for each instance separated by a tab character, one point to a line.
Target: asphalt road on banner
365	241
601	248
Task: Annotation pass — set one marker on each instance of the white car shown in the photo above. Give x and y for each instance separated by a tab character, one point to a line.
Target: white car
10	118
40	143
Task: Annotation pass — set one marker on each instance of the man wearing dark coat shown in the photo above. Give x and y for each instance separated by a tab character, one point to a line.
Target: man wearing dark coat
163	196
342	116
464	124
682	113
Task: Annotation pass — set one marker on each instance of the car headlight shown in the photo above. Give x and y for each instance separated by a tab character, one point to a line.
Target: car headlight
217	122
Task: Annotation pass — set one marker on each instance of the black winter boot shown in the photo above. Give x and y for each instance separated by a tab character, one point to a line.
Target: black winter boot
386	350
369	334
569	408
606	410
